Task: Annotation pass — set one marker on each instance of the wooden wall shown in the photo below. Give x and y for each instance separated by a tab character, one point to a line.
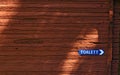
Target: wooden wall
42	37
116	37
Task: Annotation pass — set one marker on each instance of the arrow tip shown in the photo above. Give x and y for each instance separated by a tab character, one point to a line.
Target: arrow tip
101	52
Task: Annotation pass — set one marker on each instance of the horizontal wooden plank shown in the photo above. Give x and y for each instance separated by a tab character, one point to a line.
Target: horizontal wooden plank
54	21
39	52
43	27
55	1
48	36
36	18
60	5
43	14
53	30
57	40
51	62
43	63
53	44
55	26
40	9
52	57
41	67
56	48
33	25
42	48
49	73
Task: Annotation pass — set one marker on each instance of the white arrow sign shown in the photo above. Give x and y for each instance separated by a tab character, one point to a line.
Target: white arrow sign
101	52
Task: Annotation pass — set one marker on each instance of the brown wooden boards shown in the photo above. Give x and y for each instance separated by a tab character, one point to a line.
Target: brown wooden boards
116	38
42	37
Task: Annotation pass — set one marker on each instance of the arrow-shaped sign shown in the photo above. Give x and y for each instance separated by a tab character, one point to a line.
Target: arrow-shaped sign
94	52
101	52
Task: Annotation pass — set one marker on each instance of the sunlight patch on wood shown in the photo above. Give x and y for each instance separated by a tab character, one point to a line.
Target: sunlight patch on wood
4	22
80	44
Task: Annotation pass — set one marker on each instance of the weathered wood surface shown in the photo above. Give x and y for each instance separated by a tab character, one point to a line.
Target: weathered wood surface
42	37
116	39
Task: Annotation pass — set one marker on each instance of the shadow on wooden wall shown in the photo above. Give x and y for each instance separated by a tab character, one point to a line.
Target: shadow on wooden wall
43	40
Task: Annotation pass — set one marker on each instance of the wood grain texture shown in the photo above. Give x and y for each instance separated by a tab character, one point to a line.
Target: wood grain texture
116	39
42	37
